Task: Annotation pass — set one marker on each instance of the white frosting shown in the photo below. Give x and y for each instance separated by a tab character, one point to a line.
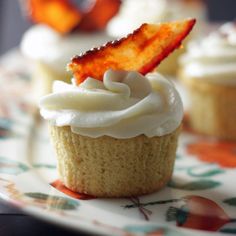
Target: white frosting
124	105
43	44
214	57
133	13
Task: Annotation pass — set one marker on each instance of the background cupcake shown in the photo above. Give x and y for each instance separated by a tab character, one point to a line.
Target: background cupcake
208	70
50	52
63	29
133	13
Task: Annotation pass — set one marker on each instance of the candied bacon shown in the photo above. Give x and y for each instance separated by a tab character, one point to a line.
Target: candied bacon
99	15
61	15
64	16
140	51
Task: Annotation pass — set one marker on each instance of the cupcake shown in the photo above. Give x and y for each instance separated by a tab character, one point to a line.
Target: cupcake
117	137
133	13
115	130
208	71
50	51
51	43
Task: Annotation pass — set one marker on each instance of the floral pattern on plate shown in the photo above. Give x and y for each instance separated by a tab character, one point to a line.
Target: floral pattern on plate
199	200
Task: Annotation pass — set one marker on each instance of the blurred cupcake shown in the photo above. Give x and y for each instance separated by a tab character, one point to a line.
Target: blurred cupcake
52	42
133	13
50	52
208	70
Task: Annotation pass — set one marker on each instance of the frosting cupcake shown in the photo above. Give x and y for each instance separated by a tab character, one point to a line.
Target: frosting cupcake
133	13
122	137
209	73
114	129
51	51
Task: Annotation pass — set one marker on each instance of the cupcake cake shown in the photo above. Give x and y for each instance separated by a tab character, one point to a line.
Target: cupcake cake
50	51
51	43
133	13
208	71
115	128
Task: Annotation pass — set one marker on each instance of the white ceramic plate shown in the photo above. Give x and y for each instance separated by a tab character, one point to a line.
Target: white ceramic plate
199	200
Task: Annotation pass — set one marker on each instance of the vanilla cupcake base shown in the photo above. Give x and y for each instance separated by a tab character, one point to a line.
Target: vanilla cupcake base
212	108
110	167
169	66
43	78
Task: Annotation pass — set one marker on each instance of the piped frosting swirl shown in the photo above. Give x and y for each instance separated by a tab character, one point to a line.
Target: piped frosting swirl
123	105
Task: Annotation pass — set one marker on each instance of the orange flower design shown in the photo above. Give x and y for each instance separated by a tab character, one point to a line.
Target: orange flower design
222	153
65	16
62	188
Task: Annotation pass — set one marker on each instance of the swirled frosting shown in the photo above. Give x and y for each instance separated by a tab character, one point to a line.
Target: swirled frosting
133	13
214	57
124	105
43	44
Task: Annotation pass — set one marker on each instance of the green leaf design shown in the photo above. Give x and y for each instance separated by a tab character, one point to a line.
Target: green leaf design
182	215
41	196
44	166
178	157
12	167
55	202
195	185
180	168
209	173
5	123
230	201
201	171
5	127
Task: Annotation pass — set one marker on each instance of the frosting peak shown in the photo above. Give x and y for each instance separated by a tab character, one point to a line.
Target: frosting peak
214	57
124	105
133	13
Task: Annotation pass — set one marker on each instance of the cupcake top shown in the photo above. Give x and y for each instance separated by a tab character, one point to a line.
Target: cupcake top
123	105
110	97
44	44
135	12
213	58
